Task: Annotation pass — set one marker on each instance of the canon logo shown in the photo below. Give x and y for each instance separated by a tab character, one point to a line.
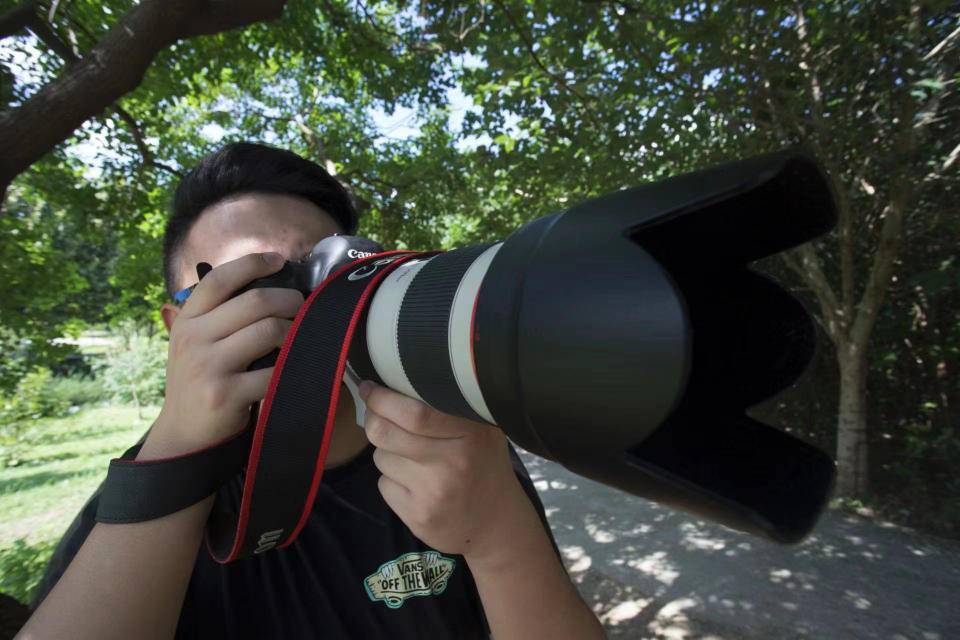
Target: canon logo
354	253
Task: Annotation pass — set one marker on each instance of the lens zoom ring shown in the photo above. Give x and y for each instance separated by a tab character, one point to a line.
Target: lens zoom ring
423	326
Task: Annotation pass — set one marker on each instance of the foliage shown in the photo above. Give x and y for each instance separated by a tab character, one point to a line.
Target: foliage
607	94
67	393
21	567
40	285
38	395
916	391
135	371
564	100
28	401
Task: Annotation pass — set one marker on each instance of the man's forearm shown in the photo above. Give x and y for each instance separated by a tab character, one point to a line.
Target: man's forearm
525	590
127	580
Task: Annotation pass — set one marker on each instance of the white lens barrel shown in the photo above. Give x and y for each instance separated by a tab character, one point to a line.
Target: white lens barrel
419	330
382	327
461	333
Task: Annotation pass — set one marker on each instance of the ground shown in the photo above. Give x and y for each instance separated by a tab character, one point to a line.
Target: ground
647	571
650	572
46	478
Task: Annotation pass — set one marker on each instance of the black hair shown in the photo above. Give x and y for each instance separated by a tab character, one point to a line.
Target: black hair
244	167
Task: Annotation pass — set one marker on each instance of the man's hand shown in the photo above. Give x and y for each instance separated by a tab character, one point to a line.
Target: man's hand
449	479
139	571
452	483
212	342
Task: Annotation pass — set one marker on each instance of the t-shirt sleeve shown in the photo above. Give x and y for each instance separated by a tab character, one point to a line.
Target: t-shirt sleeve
524	476
67	548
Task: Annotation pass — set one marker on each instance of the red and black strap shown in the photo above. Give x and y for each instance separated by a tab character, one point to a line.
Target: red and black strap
288	446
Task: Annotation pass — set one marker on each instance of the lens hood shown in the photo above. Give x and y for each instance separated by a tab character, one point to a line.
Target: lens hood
626	337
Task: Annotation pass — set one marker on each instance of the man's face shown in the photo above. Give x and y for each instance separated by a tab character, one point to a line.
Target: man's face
253	223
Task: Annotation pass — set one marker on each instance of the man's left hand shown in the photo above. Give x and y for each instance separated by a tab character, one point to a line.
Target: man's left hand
449	479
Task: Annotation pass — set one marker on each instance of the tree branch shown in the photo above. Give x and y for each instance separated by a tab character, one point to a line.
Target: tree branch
148	158
46	35
804	262
464	29
951	158
16	20
112	68
370	180
901	194
315	144
943	44
556	77
376	26
880	273
216	16
844	214
319	149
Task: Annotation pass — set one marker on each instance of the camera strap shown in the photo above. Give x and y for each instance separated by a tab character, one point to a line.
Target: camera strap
286	449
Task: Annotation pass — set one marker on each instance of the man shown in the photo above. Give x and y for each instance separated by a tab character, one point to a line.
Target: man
414	496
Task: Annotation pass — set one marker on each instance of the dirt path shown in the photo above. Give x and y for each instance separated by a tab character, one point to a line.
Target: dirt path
650	572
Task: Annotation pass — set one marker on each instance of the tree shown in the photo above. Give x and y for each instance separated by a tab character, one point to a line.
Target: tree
305	82
572	99
615	92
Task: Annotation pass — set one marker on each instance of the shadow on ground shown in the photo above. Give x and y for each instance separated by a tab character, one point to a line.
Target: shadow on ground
650	572
41	478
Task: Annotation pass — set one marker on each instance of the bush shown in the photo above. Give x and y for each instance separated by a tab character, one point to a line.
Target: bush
39	394
72	365
62	394
22	354
135	371
22	566
916	481
28	400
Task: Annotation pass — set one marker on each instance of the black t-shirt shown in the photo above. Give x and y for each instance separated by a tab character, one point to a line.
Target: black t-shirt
355	571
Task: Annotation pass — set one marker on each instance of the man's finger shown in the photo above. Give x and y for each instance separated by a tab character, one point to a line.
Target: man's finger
403	471
396	495
236	352
384	434
249	307
412	414
251	386
223	281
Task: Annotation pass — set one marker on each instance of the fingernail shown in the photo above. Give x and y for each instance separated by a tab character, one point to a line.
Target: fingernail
272	259
365	388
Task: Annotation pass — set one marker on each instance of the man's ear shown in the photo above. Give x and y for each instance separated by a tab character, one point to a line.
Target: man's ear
169	313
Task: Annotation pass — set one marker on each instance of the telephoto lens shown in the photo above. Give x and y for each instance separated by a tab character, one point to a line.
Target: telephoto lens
625	338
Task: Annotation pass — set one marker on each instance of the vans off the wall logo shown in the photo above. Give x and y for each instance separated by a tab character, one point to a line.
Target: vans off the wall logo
412	574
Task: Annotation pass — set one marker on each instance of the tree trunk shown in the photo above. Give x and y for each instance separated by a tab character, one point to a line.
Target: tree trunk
136	400
852	476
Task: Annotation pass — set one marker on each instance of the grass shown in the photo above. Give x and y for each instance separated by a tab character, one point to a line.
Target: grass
47	478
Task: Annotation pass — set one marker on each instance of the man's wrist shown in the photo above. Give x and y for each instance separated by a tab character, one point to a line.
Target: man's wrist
163	441
512	535
169	437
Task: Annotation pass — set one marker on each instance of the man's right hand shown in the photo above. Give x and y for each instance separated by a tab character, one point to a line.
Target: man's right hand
213	340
